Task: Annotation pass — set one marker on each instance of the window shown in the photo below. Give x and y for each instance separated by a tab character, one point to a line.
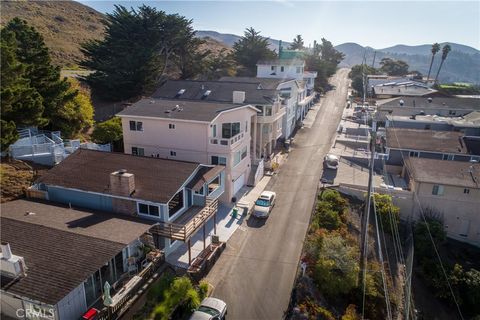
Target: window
214	130
136	126
236	158
273	68
244	153
173	153
219	160
148	209
138	151
200	192
171	126
466	191
230	129
452	112
414	154
282	68
475	159
437	190
176	204
427	127
447	156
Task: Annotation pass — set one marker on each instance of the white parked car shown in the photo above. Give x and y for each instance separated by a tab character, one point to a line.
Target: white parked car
210	309
264	204
331	161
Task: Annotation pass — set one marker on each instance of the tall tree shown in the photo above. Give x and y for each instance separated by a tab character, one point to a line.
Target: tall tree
43	75
219	65
297	43
394	67
329	53
445	50
250	49
191	59
138	47
21	105
435	49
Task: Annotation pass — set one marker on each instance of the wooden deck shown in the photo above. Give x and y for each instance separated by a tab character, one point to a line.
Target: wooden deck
188	223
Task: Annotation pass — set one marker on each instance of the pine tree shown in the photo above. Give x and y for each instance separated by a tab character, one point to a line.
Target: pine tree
21	105
250	49
44	77
297	43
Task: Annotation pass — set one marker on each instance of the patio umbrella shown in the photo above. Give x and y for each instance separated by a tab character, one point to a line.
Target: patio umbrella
107	299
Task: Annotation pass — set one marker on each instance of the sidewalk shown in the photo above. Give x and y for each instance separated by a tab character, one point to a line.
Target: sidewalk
226	225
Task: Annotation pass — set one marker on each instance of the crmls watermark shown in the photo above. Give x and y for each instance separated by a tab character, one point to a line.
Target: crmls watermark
33	312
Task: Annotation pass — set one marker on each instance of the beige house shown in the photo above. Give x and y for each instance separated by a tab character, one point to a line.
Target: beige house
203	132
449	190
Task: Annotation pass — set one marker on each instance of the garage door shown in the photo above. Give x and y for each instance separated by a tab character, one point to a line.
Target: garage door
238	184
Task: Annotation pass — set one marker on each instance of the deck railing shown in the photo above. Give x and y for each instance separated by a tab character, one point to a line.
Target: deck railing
182	232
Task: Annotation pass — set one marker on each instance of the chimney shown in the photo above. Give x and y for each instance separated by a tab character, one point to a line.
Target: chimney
6	251
238	96
122	183
10	264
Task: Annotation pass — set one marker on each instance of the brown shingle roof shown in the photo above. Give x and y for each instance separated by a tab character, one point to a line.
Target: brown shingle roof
456	173
84	222
57	261
425	140
156	179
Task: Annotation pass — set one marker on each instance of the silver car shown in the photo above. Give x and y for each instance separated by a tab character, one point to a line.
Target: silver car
331	161
210	309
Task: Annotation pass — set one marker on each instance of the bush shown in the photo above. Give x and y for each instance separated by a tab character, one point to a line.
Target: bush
336	269
328	219
423	242
389	213
335	199
351	313
203	289
109	131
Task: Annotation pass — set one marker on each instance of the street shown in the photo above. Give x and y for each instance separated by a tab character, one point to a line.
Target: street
256	272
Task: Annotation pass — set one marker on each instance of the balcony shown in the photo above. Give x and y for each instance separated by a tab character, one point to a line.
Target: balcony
232	142
272	115
188	223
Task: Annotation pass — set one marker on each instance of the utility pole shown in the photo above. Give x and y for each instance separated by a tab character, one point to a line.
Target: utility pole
374	55
366	217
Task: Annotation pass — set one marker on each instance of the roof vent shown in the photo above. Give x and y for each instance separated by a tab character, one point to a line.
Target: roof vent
177	108
180	92
206	94
429	100
29	213
401	102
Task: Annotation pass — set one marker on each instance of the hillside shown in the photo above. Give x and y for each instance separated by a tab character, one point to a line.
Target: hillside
67	24
229	39
462	64
64	25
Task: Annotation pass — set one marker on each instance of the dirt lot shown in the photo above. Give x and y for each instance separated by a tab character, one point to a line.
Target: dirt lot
16	177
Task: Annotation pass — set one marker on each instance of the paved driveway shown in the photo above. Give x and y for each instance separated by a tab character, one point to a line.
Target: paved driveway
255	274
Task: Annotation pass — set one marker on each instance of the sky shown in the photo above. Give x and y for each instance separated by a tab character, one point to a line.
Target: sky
378	24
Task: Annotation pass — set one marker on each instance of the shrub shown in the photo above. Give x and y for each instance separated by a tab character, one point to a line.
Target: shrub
338	203
351	313
336	269
203	289
328	219
109	131
389	213
423	242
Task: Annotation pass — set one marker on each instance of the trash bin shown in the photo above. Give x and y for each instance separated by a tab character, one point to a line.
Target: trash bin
235	212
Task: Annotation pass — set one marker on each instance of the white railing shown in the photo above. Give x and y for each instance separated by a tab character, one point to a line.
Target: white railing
227	141
259	172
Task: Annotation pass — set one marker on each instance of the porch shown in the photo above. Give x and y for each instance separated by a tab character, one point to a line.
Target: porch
188	224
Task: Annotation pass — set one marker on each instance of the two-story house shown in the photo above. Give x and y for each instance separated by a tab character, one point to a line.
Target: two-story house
288	89
291	68
204	132
176	195
267	128
449	190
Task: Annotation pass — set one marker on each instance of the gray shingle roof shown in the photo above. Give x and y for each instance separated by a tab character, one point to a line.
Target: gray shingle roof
425	140
456	173
156	179
177	109
57	261
220	91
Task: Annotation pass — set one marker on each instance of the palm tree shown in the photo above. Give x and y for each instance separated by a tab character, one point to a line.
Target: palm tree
445	50
435	49
297	43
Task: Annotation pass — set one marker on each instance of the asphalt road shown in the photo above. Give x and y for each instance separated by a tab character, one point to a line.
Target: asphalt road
256	272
